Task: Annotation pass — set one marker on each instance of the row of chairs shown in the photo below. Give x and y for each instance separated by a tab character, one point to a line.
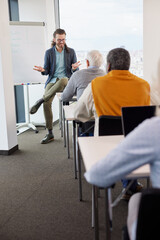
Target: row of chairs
116	125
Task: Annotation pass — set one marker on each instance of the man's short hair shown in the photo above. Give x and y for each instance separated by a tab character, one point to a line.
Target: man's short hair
119	59
59	31
95	58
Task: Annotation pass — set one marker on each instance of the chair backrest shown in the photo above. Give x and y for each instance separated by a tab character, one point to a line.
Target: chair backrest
110	125
133	116
149	215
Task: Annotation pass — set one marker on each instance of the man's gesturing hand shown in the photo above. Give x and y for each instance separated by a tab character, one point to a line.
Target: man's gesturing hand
39	68
76	65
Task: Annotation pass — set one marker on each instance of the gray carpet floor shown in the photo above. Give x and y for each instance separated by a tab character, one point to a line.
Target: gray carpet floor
39	195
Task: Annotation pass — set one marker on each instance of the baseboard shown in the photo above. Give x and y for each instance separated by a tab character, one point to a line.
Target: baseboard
9	152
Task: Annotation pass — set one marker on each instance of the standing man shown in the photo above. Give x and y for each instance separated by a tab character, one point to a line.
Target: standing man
59	63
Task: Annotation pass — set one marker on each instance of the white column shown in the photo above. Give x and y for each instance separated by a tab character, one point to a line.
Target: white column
50	28
8	134
151	46
50	21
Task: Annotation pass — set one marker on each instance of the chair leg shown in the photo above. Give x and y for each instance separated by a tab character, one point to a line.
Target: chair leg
79	172
61	117
107	215
64	129
67	133
110	206
93	207
74	149
96	219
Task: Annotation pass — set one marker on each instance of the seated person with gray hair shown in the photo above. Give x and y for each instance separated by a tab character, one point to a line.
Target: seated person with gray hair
138	148
80	79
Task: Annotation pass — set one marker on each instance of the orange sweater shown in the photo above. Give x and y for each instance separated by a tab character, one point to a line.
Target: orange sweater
119	88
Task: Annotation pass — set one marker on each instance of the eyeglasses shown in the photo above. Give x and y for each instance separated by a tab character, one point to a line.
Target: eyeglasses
61	40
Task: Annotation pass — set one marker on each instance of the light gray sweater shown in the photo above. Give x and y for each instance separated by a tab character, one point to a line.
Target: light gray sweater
79	81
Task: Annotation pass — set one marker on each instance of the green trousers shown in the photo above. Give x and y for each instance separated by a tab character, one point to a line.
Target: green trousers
49	94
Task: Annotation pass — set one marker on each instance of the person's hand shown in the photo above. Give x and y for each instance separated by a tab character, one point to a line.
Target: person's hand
39	68
76	65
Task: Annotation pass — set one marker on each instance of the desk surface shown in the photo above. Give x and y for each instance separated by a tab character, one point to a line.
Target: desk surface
58	94
95	148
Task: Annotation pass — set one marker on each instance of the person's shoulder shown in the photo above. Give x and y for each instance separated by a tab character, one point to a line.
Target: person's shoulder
151	124
49	50
81	72
97	70
140	79
154	120
148	130
78	74
144	82
100	78
74	76
101	71
70	50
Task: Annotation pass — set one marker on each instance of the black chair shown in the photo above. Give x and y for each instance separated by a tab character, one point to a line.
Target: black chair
110	125
148	216
133	116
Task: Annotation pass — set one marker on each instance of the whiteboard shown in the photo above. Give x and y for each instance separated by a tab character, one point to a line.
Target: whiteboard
28	49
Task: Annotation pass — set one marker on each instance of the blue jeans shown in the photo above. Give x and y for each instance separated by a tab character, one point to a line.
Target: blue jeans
86	129
126	182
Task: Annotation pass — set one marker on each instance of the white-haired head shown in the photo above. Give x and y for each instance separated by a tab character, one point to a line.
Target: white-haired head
95	58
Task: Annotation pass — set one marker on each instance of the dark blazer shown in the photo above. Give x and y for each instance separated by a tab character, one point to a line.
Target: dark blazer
50	62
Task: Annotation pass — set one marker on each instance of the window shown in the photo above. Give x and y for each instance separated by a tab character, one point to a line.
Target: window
103	25
13	10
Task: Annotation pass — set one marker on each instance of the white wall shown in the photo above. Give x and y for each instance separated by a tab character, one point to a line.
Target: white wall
8	134
151	45
40	11
32	10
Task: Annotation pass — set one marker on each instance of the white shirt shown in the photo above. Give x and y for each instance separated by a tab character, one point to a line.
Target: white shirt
85	108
